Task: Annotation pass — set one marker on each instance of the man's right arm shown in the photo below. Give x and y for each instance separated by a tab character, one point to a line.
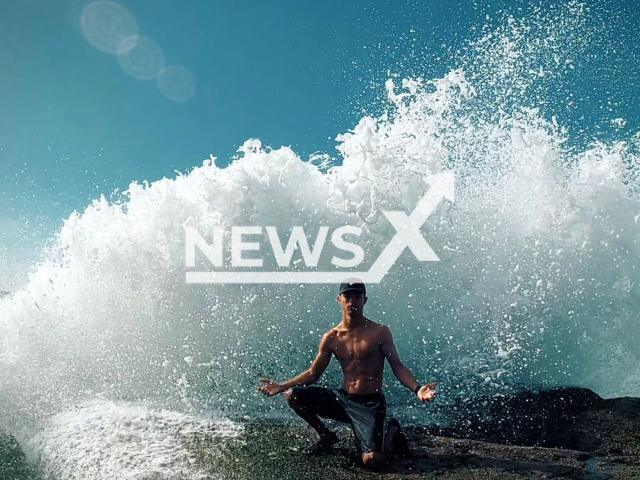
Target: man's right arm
307	377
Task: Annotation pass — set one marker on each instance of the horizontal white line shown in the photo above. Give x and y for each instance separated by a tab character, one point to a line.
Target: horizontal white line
277	277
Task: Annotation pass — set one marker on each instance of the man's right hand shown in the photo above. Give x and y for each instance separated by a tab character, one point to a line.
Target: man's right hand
271	388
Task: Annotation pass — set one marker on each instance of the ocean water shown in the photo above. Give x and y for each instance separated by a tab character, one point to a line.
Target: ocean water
112	364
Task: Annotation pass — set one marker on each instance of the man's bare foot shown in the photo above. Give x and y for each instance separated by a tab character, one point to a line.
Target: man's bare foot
322	446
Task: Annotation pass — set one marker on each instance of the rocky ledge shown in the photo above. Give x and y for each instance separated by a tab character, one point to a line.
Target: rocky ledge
567	433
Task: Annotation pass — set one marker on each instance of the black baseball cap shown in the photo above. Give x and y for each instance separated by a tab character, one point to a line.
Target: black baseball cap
352	284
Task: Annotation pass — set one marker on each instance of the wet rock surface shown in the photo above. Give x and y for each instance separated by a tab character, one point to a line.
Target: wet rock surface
562	433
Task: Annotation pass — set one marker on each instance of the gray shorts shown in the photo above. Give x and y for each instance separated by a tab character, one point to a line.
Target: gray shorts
364	412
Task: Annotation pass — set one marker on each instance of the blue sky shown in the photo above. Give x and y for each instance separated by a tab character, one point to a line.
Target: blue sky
75	125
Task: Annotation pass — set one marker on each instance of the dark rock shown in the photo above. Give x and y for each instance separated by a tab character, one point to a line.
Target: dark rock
530	418
568	433
13	463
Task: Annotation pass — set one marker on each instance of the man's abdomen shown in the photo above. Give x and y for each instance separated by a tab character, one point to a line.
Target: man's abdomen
362	384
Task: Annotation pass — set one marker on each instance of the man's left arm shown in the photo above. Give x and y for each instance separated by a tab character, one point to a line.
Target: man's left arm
402	373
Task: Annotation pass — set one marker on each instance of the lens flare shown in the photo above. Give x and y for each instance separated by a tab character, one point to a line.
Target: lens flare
140	57
176	83
107	24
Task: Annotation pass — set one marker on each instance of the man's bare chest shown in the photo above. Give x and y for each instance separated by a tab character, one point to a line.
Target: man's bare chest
349	348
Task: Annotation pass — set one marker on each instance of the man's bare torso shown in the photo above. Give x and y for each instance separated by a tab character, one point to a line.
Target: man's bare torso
360	354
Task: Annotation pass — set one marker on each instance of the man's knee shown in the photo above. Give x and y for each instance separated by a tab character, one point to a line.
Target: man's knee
291	396
375	460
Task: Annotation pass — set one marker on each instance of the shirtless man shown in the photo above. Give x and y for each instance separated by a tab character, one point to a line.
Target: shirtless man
361	346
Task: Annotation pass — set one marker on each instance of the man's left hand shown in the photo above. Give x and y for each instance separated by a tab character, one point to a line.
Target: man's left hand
427	392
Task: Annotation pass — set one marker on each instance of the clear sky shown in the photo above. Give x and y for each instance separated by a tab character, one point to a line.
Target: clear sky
75	125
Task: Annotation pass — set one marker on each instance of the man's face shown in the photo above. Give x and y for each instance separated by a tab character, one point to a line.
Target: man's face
352	302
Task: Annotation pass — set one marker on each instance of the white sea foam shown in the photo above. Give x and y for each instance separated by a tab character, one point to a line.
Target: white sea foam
541	256
106	440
